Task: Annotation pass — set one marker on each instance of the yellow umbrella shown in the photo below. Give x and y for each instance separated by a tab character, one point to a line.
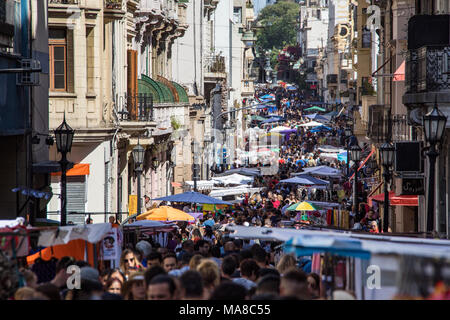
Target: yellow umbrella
304	206
165	213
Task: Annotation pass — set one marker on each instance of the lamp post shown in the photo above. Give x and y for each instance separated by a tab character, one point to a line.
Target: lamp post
387	158
138	156
64	138
434	126
356	156
194	165
348	134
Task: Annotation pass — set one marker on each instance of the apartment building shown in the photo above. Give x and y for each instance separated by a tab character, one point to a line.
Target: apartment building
24	190
110	77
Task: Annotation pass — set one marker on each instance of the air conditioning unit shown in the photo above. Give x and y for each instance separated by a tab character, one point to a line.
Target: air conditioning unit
30	75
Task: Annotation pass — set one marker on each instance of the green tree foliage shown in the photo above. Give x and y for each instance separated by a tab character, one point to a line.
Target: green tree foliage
279	22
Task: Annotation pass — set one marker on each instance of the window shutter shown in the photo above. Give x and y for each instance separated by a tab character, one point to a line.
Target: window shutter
132	83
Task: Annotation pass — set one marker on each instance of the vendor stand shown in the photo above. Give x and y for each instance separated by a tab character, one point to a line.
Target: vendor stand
409	267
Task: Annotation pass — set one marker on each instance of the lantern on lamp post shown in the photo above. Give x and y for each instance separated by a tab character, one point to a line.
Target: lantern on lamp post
387	152
138	157
64	138
434	124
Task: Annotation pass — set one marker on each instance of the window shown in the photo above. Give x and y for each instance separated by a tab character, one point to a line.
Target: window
7	14
366	38
90	56
237	15
58	59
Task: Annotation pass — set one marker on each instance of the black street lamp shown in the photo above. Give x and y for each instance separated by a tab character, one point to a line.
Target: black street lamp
194	165
138	156
64	138
348	133
155	163
356	157
434	126
387	151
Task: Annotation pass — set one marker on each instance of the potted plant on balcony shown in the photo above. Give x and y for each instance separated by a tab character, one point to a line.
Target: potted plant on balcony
175	123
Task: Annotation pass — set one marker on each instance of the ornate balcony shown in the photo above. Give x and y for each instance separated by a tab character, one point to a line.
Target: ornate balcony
332	79
379	126
63	1
134	107
427	70
113	4
215	68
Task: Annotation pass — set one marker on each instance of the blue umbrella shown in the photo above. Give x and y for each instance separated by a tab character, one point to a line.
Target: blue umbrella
250	172
322	128
324	171
267	96
306	180
291	88
273	119
192	197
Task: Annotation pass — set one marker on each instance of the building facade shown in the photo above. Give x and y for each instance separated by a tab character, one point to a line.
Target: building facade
24	82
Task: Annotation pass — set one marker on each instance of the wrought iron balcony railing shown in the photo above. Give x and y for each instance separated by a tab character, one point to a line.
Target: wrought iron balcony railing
215	63
134	107
63	1
380	125
428	69
113	4
401	130
332	78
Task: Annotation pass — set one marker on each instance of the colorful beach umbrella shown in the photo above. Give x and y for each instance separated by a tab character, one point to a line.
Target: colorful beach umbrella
304	206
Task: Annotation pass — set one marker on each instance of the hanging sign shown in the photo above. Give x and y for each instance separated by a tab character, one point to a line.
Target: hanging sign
413	186
132	204
111	246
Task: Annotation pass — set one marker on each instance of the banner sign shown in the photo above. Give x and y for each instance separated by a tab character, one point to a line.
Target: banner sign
413	186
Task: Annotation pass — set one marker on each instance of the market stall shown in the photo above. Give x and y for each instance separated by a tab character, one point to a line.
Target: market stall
396	266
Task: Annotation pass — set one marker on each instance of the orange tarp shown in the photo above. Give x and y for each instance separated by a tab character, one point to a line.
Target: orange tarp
79	169
75	248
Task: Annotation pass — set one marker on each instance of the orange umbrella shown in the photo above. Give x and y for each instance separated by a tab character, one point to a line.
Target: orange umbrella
165	213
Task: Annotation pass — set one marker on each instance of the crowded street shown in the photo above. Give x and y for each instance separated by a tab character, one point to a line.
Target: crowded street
255	151
195	254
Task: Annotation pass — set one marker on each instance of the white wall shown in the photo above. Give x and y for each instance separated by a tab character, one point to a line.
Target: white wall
95	156
186	57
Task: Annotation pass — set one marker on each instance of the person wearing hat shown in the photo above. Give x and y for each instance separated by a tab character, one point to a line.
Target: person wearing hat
143	248
148	204
134	287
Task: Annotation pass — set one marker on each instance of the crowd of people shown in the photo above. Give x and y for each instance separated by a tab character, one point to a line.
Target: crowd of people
201	261
205	266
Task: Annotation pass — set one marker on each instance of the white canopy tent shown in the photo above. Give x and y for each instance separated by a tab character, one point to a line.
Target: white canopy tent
331	149
234	178
311	124
92	233
279	128
219	193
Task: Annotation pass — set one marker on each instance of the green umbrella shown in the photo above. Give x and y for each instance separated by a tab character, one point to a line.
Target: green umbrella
315	108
